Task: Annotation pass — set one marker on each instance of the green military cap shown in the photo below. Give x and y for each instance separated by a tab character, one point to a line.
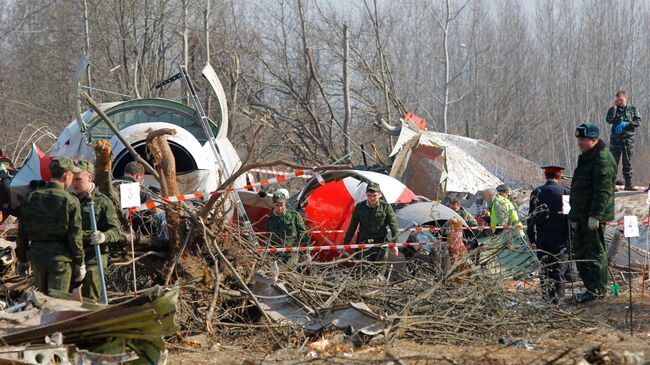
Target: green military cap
586	130
85	166
279	198
59	165
373	187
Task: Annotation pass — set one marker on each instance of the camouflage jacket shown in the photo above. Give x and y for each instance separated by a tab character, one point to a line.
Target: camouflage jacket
628	114
287	229
107	222
50	226
372	222
593	184
468	217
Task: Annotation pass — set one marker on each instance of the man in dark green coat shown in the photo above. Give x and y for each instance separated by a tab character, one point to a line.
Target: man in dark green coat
108	226
592	206
372	216
49	233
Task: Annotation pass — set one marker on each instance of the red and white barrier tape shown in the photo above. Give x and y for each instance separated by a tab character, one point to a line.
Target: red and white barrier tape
359	246
422	229
179	198
276	172
8	226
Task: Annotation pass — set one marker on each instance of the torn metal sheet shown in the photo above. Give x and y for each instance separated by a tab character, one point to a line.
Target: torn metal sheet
278	303
356	317
137	325
432	163
514	258
284	308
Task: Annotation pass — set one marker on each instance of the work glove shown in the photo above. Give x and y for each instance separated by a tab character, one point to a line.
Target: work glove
79	272
593	224
97	238
620	127
22	268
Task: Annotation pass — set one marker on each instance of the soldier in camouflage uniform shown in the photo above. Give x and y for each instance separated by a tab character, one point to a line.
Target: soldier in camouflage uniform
286	227
624	119
49	234
372	216
108	226
592	205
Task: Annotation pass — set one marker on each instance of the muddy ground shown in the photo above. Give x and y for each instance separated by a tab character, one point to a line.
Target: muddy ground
562	346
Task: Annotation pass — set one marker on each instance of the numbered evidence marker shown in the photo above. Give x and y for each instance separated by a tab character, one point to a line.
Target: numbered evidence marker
631	224
130	195
566	208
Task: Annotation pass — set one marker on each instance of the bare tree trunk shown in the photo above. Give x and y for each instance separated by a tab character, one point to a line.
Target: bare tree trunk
206	37
87	35
346	91
186	47
445	91
165	163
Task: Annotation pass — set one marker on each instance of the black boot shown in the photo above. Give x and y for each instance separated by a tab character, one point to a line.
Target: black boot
587	297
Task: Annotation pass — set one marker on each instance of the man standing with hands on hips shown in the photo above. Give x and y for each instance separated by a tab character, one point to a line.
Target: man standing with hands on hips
624	119
592	206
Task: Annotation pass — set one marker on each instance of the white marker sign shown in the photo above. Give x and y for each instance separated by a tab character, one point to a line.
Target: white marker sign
130	195
566	208
631	224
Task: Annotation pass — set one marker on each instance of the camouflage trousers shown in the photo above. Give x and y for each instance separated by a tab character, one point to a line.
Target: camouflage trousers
622	149
52	275
591	257
92	286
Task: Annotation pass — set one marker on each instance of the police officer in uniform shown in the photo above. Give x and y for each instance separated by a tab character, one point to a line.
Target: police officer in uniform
592	206
108	226
49	233
548	229
372	216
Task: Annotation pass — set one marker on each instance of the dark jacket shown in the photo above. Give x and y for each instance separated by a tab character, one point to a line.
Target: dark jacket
593	185
549	228
372	222
628	114
50	226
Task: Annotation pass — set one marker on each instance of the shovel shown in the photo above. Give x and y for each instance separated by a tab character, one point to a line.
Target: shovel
98	254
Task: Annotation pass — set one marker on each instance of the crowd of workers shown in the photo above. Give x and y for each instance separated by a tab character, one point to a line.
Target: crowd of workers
56	241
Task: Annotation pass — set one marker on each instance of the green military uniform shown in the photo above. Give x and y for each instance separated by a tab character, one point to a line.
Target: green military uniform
287	229
49	234
372	223
468	217
107	223
622	140
592	196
